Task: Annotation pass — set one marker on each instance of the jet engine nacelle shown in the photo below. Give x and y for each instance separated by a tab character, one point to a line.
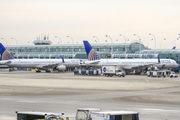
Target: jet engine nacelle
61	67
153	68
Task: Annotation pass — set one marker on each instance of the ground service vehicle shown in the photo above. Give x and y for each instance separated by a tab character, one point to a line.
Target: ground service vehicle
156	73
90	71
81	114
172	74
40	116
112	70
95	114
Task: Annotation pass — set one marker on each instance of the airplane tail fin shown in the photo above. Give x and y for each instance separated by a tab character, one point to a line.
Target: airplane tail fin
4	53
91	53
159	60
63	59
62	56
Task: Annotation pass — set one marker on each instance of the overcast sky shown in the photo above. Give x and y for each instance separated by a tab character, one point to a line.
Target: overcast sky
24	20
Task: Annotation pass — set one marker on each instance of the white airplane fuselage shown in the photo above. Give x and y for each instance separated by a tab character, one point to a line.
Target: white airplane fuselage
33	63
128	63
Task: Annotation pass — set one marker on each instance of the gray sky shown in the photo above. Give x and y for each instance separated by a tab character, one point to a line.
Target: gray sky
82	19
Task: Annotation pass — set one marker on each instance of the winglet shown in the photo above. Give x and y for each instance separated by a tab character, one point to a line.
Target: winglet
174	47
4	53
159	60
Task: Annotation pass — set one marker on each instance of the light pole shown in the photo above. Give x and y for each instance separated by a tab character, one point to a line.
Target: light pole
5	40
124	44
175	42
139	42
96	38
148	42
17	47
154	39
161	42
60	41
72	45
111	44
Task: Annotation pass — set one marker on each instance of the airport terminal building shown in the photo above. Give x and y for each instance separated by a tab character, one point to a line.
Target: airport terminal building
42	49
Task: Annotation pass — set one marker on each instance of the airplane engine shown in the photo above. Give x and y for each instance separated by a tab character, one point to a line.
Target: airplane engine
61	67
153	68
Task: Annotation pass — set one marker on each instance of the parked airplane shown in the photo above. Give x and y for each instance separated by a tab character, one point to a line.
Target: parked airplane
128	65
40	64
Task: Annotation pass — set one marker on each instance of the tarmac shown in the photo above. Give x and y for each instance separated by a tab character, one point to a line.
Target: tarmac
153	98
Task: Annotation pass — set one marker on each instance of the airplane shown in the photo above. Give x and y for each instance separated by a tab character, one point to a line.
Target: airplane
40	64
128	65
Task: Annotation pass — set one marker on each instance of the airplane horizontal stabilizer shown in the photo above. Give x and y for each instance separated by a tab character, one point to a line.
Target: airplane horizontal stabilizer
92	62
5	62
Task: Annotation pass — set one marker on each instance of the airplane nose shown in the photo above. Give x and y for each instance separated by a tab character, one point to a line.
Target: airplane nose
176	65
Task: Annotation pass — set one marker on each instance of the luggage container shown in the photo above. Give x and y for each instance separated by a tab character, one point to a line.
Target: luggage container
148	73
91	72
168	72
83	72
76	72
156	73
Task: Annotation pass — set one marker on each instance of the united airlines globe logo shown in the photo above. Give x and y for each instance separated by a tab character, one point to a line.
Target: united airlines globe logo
104	69
93	55
6	56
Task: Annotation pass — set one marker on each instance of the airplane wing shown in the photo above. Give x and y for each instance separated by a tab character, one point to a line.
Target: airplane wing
141	66
46	66
5	62
137	66
92	62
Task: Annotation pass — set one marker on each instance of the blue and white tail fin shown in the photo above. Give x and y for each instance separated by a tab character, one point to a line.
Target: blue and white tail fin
91	53
4	53
159	60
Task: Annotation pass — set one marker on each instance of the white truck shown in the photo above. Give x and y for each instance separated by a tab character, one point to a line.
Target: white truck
96	114
109	71
172	74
